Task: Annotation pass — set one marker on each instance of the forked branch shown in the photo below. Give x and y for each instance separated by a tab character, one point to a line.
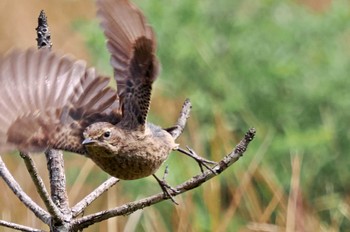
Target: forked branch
192	183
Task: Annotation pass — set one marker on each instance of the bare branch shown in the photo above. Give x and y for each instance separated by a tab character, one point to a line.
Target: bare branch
237	152
55	166
177	130
40	187
18	227
81	206
43	33
22	196
55	163
194	182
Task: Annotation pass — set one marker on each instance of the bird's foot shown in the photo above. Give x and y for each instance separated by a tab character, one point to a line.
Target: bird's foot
200	160
167	189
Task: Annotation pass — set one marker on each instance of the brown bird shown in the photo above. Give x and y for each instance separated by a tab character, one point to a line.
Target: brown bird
53	101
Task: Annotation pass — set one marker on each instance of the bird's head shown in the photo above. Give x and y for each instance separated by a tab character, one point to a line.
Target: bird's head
101	139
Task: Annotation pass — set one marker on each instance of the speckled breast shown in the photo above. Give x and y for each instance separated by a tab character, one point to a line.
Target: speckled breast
133	164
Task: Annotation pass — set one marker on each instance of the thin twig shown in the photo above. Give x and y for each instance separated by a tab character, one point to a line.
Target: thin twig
40	187
43	33
81	205
18	227
177	130
22	196
194	182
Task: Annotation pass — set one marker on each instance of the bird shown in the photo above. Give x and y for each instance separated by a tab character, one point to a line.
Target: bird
54	101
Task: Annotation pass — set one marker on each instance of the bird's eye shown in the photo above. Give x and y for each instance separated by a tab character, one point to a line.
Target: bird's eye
107	134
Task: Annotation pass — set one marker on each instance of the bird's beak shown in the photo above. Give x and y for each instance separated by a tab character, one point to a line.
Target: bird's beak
88	141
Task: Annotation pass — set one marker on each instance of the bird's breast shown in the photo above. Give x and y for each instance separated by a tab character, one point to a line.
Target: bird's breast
135	158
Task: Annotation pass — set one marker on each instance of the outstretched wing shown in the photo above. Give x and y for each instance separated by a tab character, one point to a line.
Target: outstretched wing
46	100
132	45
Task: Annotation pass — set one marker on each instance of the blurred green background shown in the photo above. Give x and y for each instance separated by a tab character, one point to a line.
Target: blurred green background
279	66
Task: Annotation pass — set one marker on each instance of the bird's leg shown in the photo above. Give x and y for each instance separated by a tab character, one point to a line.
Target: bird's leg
165	186
200	160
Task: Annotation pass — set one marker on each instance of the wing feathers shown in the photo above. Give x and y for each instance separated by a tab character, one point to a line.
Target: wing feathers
48	99
39	93
132	45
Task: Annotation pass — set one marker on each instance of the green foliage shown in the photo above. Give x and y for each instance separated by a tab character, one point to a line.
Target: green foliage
275	65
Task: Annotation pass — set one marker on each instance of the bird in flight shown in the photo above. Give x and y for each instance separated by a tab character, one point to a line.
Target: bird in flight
52	101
